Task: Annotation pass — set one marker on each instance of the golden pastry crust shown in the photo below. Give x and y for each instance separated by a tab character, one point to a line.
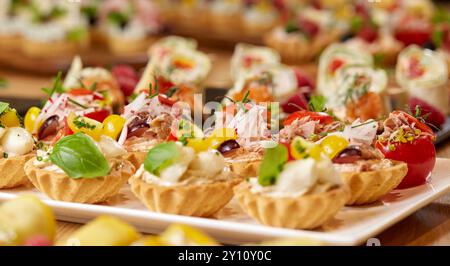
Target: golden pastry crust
243	163
369	186
12	171
10	42
201	200
61	48
136	158
83	190
120	46
297	50
303	212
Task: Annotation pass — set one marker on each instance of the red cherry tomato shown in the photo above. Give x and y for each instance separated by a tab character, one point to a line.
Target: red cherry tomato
98	115
309	27
288	147
172	137
164	99
368	33
323	118
67	130
420	155
84	92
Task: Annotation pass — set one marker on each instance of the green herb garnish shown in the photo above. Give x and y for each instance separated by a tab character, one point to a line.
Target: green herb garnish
161	156
291	27
57	86
79	122
76	34
317	103
3	107
117	18
272	165
77	103
79	157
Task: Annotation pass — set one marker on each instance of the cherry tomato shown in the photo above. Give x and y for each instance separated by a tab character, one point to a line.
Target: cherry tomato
199	144
86	125
220	135
333	145
113	125
288	146
294	103
323	118
309	27
67	130
172	137
413	31
30	118
98	115
434	116
84	92
420	155
368	33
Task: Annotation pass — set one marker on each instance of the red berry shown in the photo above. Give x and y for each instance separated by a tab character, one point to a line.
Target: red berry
435	117
38	240
124	70
127	84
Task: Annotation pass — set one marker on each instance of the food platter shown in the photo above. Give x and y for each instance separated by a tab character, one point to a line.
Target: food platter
351	226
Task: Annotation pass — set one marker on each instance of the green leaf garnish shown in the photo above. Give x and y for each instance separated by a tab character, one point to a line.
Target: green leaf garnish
57	86
356	23
77	103
3	107
79	157
291	26
437	37
118	18
76	34
161	156
317	103
272	165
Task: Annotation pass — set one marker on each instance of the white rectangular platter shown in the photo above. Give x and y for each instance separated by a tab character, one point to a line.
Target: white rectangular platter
351	226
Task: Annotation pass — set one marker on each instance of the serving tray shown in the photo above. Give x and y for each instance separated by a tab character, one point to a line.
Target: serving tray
351	226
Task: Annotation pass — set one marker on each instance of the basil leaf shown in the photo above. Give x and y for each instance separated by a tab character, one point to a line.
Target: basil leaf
272	165
3	107
160	156
79	157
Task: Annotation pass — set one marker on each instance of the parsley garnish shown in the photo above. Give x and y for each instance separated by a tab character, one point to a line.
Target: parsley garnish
77	103
80	123
57	86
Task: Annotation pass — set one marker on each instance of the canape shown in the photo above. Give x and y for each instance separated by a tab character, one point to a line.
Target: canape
247	57
57	30
130	26
407	138
423	73
175	179
148	120
79	168
303	39
259	17
176	68
14	18
225	15
298	194
16	148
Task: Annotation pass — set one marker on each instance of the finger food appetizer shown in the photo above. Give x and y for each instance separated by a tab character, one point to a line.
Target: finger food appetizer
298	194
247	57
178	180
406	138
14	18
79	168
225	15
176	68
260	17
16	148
148	120
304	37
423	73
57	29
129	26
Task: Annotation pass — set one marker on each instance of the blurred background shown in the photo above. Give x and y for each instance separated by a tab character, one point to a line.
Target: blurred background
39	38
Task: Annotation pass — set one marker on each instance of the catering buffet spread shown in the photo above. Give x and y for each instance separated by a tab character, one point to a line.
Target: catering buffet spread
330	158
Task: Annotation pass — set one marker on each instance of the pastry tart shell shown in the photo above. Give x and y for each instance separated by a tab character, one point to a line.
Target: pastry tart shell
136	158
245	165
12	172
369	186
59	186
302	212
201	200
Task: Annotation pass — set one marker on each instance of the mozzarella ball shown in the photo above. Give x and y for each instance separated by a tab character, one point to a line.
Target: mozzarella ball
17	141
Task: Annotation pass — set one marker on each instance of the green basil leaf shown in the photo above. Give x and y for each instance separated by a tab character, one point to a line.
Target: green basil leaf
3	107
160	156
79	157
272	165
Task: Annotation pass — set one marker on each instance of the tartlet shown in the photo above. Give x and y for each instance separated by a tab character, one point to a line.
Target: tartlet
193	184
16	148
300	194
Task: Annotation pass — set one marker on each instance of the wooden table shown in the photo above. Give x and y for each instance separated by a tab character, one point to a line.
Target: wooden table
428	226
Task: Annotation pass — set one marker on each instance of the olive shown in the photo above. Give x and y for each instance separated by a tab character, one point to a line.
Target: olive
348	155
228	146
137	127
49	127
429	45
347	36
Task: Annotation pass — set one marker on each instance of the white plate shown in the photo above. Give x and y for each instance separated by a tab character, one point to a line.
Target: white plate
351	226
